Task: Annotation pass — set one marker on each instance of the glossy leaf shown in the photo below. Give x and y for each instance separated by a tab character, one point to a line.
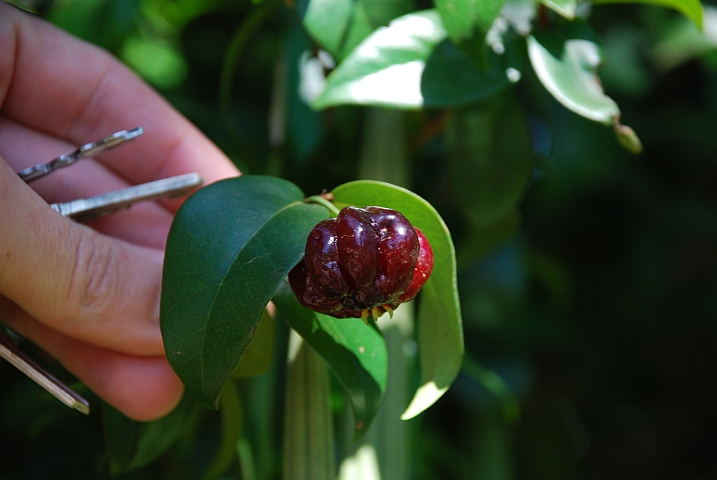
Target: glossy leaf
308	426
566	8
489	154
567	69
385	69
440	331
132	444
451	78
354	352
468	21
692	9
229	247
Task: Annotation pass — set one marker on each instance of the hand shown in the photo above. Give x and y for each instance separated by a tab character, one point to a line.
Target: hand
88	294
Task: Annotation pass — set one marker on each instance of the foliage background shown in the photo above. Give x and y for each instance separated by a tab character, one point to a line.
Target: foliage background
594	303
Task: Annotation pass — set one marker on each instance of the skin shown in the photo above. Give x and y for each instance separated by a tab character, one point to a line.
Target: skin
89	293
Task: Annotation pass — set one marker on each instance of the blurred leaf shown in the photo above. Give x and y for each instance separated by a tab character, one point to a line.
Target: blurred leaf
451	78
308	427
692	9
384	150
567	68
468	21
566	8
156	60
132	444
340	25
489	154
229	247
440	331
385	69
103	22
232	412
257	356
354	352
682	41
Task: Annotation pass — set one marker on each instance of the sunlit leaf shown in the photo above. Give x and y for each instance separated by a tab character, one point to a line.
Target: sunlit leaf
692	9
567	68
386	68
468	21
339	25
440	331
229	247
354	352
566	8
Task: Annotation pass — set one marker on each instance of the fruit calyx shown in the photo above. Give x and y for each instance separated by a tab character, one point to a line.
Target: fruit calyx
365	262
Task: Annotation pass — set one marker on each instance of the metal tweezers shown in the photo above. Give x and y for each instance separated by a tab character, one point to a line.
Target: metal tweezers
85	209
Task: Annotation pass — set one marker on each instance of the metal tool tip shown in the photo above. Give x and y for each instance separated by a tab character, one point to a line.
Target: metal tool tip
134	133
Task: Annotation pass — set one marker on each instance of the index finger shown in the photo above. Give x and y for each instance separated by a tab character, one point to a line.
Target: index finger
75	91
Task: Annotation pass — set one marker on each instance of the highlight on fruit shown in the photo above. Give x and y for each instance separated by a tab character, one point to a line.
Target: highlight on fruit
363	263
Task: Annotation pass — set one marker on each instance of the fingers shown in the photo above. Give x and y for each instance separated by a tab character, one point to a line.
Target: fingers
66	88
143	388
73	279
146	223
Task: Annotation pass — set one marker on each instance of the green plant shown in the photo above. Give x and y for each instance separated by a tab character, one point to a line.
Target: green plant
494	114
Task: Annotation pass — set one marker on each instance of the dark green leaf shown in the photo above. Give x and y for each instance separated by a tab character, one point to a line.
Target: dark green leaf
385	69
354	352
489	153
451	78
229	247
692	9
232	412
440	331
132	444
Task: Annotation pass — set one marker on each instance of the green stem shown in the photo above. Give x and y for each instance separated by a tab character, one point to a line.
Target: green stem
322	201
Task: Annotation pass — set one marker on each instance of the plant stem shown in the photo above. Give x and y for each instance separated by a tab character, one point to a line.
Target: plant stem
321	200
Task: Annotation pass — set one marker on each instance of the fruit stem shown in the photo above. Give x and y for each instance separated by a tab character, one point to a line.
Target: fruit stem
322	201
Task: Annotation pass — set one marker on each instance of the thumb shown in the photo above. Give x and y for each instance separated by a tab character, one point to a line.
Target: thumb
88	286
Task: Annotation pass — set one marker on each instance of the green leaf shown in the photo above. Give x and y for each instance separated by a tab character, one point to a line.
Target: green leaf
440	331
308	427
567	69
340	25
232	412
489	152
692	9
257	356
385	69
468	21
566	8
354	352
451	78
132	444
229	247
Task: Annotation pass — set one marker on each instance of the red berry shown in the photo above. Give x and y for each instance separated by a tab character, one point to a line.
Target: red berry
367	260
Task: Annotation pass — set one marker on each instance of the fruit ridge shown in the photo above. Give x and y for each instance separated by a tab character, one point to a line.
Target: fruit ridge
365	262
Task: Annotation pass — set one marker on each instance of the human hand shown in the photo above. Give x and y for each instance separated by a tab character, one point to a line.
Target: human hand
89	294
